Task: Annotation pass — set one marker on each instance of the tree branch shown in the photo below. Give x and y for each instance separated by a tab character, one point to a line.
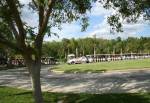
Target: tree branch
41	15
35	4
42	26
12	26
17	18
46	16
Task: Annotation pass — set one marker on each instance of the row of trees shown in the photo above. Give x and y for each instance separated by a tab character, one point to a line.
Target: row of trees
60	49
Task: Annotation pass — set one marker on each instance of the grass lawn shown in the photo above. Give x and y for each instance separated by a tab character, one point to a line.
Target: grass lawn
13	95
104	66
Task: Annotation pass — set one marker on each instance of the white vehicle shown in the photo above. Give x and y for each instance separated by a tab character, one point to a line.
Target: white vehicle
90	59
83	59
71	59
109	59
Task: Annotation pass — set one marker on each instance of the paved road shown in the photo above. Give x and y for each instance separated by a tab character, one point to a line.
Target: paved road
110	82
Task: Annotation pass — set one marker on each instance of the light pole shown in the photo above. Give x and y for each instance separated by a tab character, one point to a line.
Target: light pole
94	36
76	52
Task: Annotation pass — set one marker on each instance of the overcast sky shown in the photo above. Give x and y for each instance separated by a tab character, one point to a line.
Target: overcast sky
98	25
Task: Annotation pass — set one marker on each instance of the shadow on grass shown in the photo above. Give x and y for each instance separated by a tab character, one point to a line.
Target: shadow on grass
12	95
23	93
98	98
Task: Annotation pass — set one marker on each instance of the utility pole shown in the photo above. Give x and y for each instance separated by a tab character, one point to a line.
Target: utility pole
76	52
114	51
121	53
94	36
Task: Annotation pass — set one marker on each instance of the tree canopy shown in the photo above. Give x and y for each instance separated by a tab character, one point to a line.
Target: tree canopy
52	13
130	11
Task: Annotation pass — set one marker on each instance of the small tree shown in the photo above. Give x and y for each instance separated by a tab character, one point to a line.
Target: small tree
51	13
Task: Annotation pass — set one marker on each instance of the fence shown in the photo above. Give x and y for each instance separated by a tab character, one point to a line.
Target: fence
96	58
21	62
116	57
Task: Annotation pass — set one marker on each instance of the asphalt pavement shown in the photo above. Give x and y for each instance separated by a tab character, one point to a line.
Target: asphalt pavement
130	81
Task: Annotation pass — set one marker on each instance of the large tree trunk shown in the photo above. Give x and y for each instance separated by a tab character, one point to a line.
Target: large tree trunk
34	70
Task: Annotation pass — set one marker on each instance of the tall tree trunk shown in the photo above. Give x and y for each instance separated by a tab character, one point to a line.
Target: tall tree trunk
34	70
36	84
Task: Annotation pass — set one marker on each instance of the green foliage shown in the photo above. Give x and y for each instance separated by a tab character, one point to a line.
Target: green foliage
85	46
6	34
114	23
67	11
126	10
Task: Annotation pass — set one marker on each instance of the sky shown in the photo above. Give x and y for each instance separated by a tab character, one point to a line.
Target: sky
98	25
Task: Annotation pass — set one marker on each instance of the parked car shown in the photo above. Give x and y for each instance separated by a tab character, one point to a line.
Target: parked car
83	59
71	59
90	59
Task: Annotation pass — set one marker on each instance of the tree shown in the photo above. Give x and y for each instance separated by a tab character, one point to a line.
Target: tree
51	13
128	11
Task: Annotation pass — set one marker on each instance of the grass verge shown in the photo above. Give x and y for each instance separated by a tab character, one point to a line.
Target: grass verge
104	66
13	95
